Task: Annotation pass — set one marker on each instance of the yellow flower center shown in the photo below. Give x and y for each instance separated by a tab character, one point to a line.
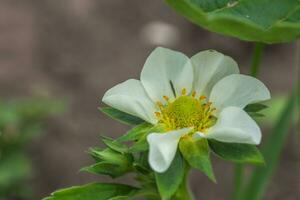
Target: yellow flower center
186	111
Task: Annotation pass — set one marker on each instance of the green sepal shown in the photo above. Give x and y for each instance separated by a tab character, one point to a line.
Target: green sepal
93	191
121	116
136	133
110	162
115	145
196	153
141	144
111	155
106	168
169	181
236	152
255	107
256	115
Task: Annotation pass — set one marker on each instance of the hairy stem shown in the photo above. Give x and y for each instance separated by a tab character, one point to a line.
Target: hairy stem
254	71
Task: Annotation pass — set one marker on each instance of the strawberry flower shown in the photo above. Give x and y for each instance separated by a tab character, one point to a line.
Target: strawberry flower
202	97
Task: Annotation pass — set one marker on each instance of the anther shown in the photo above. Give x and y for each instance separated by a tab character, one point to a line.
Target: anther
202	97
166	98
157	114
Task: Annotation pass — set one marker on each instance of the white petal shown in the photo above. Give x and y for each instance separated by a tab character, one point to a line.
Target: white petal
131	97
210	67
236	126
163	147
238	90
162	67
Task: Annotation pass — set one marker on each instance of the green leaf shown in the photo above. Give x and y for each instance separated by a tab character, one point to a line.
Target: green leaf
115	145
271	151
196	153
240	153
121	116
94	191
268	21
256	107
136	133
169	181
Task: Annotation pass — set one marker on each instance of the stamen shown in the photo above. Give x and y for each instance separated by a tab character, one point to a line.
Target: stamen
202	97
183	91
166	98
186	111
194	94
158	115
160	105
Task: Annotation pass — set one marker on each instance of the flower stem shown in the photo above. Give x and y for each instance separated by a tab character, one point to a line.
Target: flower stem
238	181
184	192
298	87
239	168
256	58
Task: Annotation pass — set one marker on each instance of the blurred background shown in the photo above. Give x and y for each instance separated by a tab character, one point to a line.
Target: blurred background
59	57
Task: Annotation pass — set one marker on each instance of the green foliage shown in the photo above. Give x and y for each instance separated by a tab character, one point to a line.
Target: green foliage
121	116
115	145
139	135
141	145
20	122
239	153
117	160
129	153
94	191
271	151
254	110
256	107
268	21
110	162
196	153
14	168
169	181
136	133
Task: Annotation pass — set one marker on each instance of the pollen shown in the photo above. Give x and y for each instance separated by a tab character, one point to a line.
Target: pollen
187	111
